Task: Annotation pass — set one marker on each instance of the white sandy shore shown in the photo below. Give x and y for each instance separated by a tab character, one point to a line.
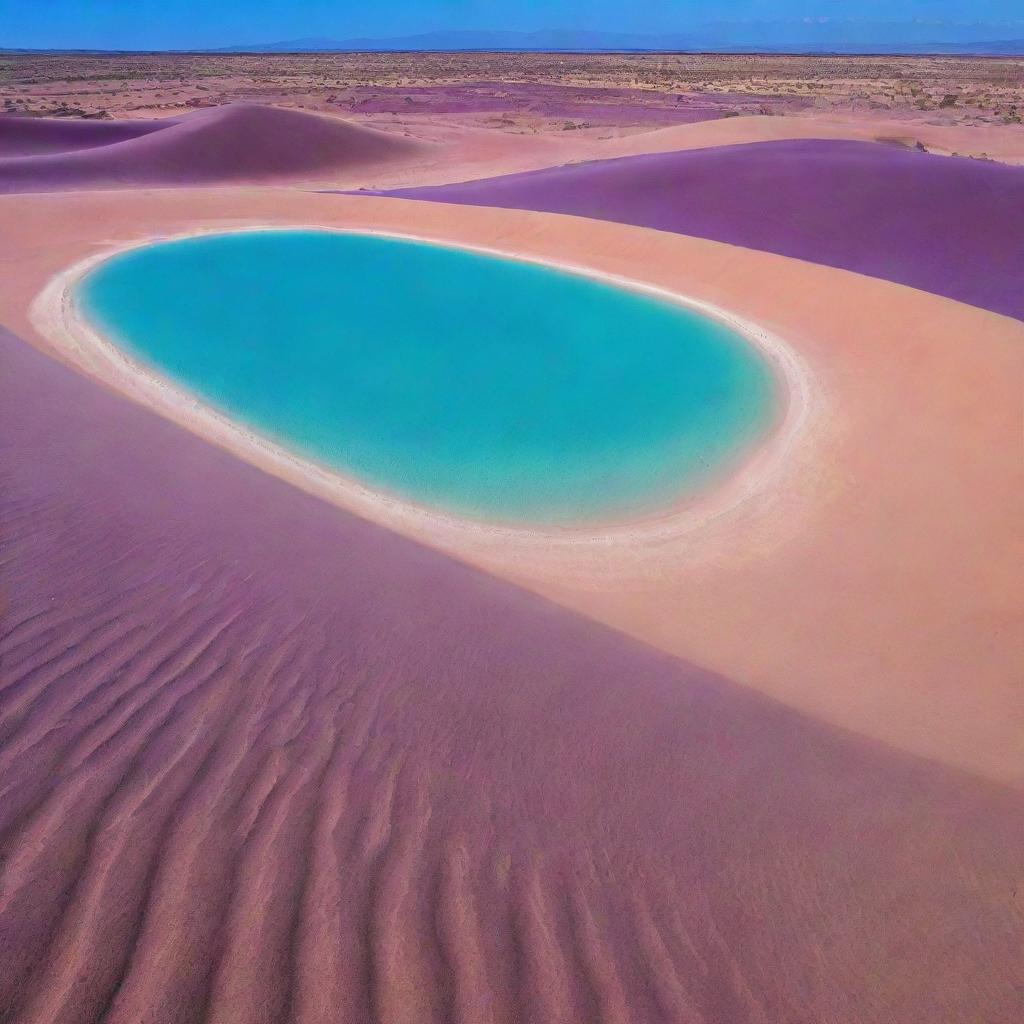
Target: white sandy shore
58	316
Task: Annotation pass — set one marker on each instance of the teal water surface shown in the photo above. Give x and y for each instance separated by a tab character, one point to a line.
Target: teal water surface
484	386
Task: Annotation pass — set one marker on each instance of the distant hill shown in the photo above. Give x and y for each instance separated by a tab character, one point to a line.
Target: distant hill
753	37
784	36
481	40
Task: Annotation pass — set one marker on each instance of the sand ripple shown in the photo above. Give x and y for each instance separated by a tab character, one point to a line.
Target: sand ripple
262	761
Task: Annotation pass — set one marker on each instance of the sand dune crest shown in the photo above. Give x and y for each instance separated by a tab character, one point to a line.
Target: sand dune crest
240	142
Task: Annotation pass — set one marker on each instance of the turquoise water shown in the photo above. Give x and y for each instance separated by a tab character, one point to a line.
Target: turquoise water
485	386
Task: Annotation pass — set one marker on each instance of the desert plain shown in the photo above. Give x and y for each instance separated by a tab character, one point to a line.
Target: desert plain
275	748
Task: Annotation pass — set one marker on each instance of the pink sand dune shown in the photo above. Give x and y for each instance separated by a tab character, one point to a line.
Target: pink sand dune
241	142
36	136
261	760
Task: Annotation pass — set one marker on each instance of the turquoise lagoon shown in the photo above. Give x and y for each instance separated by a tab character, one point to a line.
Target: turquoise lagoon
480	385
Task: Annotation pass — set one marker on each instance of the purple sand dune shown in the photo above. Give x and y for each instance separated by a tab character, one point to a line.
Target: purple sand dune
952	226
33	136
239	142
261	760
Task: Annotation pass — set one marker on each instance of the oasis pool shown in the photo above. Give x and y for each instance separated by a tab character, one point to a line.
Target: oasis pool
484	386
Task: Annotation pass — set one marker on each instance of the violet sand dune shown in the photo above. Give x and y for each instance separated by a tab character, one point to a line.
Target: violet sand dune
948	225
241	142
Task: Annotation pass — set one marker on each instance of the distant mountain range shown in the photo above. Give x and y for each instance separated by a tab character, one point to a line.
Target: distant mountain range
746	37
813	36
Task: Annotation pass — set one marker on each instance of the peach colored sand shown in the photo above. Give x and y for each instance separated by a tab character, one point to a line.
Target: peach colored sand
868	580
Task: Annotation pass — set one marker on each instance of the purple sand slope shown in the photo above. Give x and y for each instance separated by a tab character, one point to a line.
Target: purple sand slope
239	142
952	226
34	136
261	760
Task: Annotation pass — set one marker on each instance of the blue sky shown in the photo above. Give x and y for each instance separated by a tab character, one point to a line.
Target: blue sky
202	23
